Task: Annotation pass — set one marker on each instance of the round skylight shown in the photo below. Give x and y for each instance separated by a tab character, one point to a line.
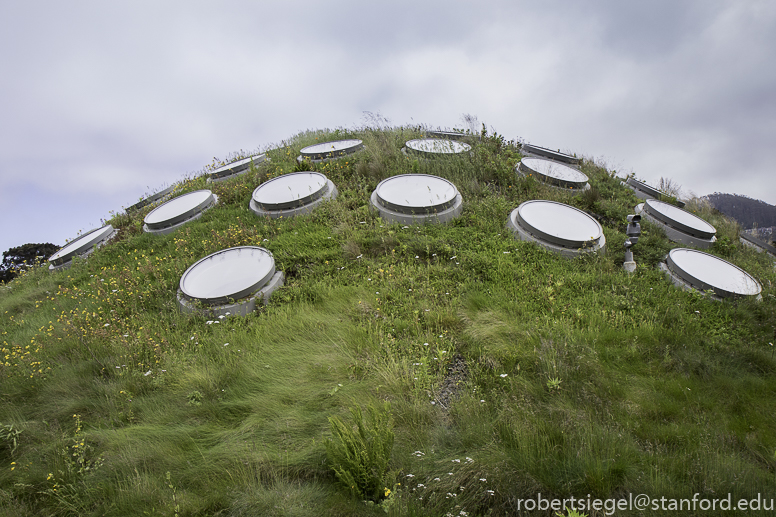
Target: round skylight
679	225
153	198
229	281
436	147
176	212
554	173
292	194
549	153
329	150
416	198
82	246
698	270
556	226
644	191
757	244
450	135
235	168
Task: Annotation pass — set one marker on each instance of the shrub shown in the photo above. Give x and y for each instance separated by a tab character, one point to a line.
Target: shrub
359	453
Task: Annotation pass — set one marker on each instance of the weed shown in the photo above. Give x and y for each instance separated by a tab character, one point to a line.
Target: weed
360	452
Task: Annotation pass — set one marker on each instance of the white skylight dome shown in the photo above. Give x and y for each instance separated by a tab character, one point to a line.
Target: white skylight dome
553	173
693	269
330	150
558	227
234	169
679	225
292	194
229	282
543	152
178	211
82	246
153	198
417	199
435	147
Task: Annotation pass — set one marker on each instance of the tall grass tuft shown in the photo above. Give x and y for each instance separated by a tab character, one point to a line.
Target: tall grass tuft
360	453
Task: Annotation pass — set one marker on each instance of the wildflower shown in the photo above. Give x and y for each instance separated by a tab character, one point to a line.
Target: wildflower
437	479
410	475
387	492
503	375
456	461
146	374
483	479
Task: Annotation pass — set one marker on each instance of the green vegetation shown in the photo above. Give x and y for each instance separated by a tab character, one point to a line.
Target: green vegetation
509	370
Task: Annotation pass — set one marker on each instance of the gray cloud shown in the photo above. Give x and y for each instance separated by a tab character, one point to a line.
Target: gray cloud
102	102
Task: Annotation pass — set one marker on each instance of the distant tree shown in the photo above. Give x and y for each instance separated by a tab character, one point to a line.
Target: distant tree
22	257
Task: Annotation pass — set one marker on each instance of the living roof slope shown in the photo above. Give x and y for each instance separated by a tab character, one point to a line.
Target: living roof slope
569	377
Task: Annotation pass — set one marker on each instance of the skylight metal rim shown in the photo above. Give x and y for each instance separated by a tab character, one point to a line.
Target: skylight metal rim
546	152
237	167
153	198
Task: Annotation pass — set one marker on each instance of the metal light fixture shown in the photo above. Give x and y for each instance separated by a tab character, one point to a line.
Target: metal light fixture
633	232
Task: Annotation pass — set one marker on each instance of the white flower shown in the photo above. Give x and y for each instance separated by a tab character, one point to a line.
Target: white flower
503	375
226	344
483	479
410	475
106	325
146	374
456	461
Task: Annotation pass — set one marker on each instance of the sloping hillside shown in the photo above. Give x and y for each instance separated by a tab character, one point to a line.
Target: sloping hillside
750	213
508	370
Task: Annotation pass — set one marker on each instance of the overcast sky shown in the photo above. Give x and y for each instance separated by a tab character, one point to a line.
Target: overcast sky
102	102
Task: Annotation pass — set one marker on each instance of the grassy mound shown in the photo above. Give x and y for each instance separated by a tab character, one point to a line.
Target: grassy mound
508	371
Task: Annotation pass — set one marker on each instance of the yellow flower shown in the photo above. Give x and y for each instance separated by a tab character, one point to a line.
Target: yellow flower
387	492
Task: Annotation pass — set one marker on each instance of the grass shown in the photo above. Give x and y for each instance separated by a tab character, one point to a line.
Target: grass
581	379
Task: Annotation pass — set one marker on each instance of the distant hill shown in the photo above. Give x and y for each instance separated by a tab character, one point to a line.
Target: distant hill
747	211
